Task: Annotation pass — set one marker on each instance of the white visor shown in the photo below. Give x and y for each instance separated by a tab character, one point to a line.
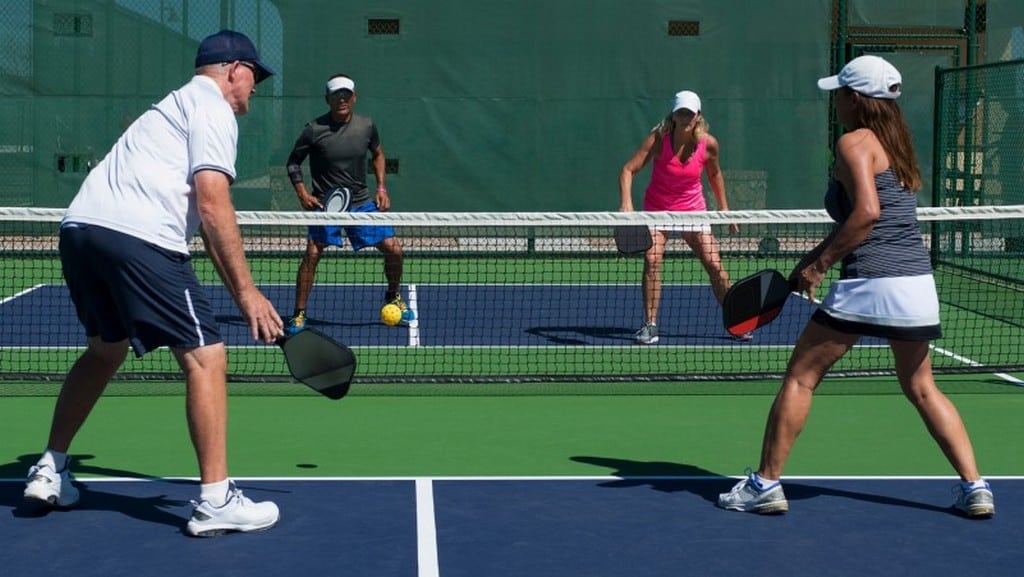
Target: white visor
340	83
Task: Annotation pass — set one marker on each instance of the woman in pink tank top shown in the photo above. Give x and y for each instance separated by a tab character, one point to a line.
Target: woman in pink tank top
682	150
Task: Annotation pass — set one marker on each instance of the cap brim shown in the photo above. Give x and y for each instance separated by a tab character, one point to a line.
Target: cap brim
263	71
829	83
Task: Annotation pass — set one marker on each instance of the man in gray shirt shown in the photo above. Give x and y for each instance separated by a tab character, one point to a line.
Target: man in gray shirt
337	144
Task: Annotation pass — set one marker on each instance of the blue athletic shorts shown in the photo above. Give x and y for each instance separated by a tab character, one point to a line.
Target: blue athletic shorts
124	287
360	236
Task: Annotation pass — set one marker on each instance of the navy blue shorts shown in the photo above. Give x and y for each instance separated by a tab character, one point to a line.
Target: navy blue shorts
126	288
359	236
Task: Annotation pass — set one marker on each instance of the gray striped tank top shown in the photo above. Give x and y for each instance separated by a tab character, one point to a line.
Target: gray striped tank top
894	247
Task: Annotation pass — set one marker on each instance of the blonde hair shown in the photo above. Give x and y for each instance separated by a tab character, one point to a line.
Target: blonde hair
667	125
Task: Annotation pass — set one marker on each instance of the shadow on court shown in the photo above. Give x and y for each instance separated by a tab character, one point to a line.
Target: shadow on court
156	509
149	508
583	335
677	477
80	466
580	335
238	321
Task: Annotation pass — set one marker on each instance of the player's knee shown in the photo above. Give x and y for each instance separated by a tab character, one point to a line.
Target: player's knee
208	362
110	354
311	258
653	259
391	247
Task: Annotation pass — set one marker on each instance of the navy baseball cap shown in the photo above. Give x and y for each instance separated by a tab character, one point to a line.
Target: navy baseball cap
229	46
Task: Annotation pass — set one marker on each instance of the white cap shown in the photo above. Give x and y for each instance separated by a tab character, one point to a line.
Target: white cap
869	75
686	99
340	83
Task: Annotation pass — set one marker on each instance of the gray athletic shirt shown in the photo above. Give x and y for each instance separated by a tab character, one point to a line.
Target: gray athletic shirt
337	155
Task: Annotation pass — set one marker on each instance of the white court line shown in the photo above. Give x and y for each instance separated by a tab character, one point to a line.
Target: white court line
1008	378
21	294
426	529
429	480
414	326
940	351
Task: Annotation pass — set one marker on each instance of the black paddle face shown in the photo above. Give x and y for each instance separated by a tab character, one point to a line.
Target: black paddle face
317	361
632	239
754	301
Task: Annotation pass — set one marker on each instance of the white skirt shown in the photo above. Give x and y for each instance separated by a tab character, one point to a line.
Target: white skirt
681	228
896	307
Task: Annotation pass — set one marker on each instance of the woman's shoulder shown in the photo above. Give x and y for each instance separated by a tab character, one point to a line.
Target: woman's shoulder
710	142
858	138
861	141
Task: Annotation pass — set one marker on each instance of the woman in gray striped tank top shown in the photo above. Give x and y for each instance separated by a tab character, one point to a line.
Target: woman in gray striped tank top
885	289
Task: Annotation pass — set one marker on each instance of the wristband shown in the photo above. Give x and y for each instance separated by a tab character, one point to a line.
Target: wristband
382	189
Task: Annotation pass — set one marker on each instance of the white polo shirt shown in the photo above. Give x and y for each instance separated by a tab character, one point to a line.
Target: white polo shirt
144	186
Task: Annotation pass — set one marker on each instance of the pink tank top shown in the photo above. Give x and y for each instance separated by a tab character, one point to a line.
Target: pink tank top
676	185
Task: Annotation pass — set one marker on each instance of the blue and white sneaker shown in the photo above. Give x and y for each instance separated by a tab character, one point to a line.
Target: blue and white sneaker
747	496
976	503
52	488
296	324
648	334
408	315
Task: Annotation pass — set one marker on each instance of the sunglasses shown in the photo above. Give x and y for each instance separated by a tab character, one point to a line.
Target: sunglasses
344	95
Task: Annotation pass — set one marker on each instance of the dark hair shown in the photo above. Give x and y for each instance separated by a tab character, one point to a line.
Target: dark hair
884	117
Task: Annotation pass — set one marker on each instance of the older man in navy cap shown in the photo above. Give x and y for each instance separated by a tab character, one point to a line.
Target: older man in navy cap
124	247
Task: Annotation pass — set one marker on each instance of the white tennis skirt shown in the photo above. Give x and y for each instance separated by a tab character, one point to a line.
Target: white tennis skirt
901	308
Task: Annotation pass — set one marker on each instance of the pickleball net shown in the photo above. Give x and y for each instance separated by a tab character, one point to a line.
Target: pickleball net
532	297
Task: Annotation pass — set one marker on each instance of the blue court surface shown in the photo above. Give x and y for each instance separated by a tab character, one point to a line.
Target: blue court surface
493	527
455	315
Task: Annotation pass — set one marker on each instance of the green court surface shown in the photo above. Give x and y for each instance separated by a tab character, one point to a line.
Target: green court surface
857	427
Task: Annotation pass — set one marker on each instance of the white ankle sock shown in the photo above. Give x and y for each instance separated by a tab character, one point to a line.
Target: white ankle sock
972	485
54	459
216	494
763	483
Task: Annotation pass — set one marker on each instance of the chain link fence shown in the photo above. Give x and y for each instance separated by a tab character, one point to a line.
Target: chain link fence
979	158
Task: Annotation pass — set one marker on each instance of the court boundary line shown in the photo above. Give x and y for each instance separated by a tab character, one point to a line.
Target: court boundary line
21	294
414	326
426	529
515	478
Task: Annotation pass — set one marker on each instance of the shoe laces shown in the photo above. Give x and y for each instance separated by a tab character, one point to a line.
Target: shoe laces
962	491
748	480
48	473
38	472
236	493
398	302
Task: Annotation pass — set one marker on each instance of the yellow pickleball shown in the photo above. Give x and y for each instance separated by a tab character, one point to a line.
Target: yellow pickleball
390	314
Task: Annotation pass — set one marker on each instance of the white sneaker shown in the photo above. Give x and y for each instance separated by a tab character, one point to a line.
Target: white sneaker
747	496
648	334
239	513
50	487
975	503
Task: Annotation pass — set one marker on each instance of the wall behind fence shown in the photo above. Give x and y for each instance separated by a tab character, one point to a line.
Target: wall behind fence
497	105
